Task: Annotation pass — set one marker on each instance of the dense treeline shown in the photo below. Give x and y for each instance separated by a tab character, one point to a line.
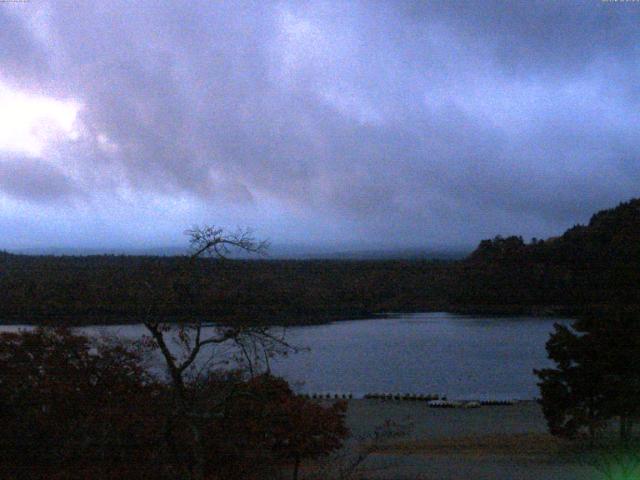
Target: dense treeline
587	266
115	288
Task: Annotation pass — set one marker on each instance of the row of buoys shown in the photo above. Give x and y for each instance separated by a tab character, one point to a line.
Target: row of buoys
434	400
452	404
497	402
327	396
468	403
402	396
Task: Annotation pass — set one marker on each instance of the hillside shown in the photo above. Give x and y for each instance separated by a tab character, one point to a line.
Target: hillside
593	264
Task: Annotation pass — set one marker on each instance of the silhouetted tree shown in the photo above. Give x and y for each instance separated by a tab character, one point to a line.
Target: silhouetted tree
597	375
188	349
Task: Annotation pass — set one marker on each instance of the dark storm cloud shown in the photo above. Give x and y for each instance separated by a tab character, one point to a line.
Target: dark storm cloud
536	36
459	119
34	180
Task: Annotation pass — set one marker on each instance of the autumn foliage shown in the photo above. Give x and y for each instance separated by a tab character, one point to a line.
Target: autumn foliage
75	408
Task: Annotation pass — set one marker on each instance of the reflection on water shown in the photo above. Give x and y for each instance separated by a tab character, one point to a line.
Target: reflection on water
458	356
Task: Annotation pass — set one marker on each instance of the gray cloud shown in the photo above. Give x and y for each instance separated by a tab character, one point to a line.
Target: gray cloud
34	180
530	37
409	121
21	57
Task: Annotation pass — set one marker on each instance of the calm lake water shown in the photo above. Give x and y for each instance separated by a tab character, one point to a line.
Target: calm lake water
463	357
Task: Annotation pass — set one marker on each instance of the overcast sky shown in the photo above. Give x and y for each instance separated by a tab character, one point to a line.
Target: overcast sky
377	123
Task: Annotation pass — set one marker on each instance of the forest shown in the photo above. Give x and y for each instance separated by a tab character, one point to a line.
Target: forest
588	266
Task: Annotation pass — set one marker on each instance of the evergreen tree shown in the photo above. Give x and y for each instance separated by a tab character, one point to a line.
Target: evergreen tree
597	374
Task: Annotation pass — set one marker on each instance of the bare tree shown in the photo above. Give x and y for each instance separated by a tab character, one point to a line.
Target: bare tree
214	241
189	349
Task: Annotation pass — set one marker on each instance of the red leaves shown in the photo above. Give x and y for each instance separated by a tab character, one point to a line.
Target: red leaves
292	428
72	408
67	402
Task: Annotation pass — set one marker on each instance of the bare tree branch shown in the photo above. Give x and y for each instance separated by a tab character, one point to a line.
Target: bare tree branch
215	242
255	343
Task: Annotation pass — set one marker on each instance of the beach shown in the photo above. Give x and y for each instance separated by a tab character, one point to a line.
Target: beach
489	442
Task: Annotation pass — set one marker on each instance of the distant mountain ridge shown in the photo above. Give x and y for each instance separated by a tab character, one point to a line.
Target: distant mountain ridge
276	252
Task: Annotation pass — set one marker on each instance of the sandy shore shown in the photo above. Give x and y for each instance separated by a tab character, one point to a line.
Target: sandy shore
490	442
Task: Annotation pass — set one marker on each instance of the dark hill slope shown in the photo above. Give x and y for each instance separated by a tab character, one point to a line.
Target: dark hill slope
588	265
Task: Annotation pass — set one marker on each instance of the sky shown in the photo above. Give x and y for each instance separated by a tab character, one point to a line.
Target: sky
360	124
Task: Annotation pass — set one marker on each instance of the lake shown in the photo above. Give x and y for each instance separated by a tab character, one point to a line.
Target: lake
460	356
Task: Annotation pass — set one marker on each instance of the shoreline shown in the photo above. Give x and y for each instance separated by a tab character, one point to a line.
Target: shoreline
539	311
486	443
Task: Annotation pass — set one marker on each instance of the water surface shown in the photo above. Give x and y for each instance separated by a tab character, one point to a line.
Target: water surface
464	357
458	356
